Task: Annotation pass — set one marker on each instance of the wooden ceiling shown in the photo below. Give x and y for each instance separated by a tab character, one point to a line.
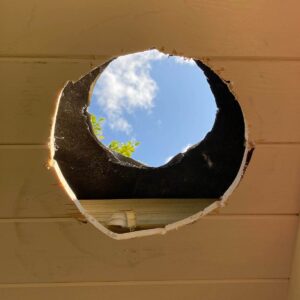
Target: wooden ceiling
243	252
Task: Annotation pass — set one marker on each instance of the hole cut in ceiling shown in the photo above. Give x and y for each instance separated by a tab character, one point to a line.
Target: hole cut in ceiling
207	172
152	106
93	171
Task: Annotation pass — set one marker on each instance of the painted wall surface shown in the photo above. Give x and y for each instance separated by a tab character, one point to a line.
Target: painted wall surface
246	250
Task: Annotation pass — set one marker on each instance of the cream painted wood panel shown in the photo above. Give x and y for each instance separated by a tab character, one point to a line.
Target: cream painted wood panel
29	92
205	28
294	286
213	248
256	45
266	92
208	290
269	94
270	184
29	189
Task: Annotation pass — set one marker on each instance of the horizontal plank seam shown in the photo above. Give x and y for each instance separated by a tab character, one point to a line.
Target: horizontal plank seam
253	58
24	146
46	146
45	58
88	57
220	217
146	283
37	220
259	143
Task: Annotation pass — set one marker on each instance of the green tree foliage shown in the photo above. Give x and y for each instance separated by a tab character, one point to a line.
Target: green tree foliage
126	149
97	126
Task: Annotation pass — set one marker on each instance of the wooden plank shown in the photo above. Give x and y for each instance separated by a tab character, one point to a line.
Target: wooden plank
265	90
269	94
269	165
213	248
294	286
270	184
209	290
29	92
29	189
219	28
147	213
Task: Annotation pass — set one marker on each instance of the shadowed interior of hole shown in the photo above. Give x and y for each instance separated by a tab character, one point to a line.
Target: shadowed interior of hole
163	102
199	180
205	171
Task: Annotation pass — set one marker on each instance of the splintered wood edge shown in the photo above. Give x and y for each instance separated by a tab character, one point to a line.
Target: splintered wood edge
220	203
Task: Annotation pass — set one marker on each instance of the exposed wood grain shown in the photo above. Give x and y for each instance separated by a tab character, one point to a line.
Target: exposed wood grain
148	213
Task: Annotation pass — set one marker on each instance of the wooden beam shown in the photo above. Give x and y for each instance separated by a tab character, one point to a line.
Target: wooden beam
149	213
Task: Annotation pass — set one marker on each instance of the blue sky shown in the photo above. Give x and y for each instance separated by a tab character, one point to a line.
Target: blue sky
163	102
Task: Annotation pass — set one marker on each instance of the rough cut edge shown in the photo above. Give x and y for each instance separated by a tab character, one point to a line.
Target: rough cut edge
155	231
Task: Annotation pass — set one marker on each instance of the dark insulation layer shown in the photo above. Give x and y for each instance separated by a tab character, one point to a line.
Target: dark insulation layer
94	172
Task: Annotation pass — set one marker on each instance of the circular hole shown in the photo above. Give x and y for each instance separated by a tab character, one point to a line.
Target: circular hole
151	106
122	194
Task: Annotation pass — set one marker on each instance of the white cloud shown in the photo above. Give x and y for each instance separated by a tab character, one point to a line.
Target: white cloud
127	85
184	60
168	159
186	148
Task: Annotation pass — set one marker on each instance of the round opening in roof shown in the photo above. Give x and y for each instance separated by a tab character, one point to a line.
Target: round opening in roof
151	106
179	192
